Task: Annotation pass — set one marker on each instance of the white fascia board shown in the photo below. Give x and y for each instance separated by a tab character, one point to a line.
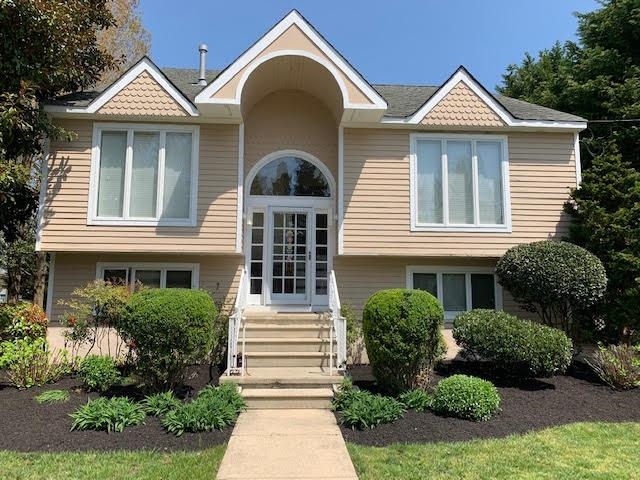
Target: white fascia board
144	65
462	76
293	18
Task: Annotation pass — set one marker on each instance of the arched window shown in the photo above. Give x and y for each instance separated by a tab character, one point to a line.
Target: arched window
290	176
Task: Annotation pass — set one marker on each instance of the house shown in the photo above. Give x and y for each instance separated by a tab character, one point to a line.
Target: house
287	183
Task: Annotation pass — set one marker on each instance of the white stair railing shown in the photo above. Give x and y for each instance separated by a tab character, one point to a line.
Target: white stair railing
338	326
236	365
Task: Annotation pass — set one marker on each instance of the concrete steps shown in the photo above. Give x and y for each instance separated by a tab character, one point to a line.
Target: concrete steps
289	398
287	360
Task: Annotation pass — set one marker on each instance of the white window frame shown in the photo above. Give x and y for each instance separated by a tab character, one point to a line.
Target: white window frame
467	271
129	128
446	226
131	268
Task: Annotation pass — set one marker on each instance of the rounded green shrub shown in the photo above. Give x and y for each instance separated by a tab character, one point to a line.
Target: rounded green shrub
515	346
466	397
402	332
168	329
98	372
553	279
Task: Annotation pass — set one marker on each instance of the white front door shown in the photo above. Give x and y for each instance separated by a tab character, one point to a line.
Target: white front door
289	255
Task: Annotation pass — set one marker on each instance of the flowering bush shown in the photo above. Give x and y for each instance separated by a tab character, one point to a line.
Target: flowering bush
25	320
91	316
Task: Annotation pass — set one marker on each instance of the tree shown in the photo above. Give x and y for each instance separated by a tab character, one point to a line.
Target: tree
606	213
48	48
599	78
127	40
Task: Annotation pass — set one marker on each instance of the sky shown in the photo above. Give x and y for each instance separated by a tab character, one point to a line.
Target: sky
417	42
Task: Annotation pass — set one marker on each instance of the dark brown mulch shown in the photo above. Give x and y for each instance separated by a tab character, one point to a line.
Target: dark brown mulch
526	406
26	426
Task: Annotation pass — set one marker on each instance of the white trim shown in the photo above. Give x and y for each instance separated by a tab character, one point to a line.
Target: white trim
288	153
293	18
340	216
194	268
439	270
576	157
144	65
163	129
50	280
42	198
445	226
240	190
461	75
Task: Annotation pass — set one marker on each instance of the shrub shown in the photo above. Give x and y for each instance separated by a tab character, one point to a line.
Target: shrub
31	363
402	336
52	396
466	397
25	320
515	346
110	414
91	315
168	329
212	409
160	404
416	399
618	365
99	372
553	279
360	409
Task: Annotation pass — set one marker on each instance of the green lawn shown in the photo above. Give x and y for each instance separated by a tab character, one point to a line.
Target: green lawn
578	451
118	465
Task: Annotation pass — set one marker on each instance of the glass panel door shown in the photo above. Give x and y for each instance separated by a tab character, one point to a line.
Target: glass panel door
290	256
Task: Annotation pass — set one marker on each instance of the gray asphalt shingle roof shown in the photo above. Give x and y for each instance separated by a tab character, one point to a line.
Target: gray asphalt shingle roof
402	100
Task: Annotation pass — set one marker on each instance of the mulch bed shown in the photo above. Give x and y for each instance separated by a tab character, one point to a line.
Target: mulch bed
526	406
26	426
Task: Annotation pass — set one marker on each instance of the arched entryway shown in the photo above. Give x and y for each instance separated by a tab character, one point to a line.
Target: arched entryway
289	234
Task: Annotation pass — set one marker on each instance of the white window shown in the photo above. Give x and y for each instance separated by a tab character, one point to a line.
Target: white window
152	275
459	289
459	182
144	175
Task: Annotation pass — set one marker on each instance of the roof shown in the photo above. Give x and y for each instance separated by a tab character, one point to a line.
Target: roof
402	100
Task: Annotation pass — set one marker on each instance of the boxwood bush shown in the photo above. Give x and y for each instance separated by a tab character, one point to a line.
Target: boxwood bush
516	346
402	332
168	329
465	397
98	372
553	279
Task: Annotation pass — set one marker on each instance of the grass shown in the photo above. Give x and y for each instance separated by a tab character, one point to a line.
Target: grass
113	465
52	396
577	451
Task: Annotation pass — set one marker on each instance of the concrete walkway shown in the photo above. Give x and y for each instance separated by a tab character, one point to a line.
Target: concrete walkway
286	444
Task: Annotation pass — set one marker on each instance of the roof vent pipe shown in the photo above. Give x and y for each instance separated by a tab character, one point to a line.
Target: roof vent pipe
202	79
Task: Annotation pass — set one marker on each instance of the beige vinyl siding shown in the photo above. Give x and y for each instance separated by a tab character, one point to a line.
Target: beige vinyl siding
377	208
65	215
360	277
219	274
291	120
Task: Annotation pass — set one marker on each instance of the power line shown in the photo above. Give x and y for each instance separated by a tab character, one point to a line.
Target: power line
616	120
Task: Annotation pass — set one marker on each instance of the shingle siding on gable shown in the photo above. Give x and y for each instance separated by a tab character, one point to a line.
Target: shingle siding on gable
377	208
461	107
143	97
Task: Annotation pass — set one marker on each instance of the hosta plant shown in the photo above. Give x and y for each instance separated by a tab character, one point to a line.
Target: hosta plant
417	399
110	414
160	404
